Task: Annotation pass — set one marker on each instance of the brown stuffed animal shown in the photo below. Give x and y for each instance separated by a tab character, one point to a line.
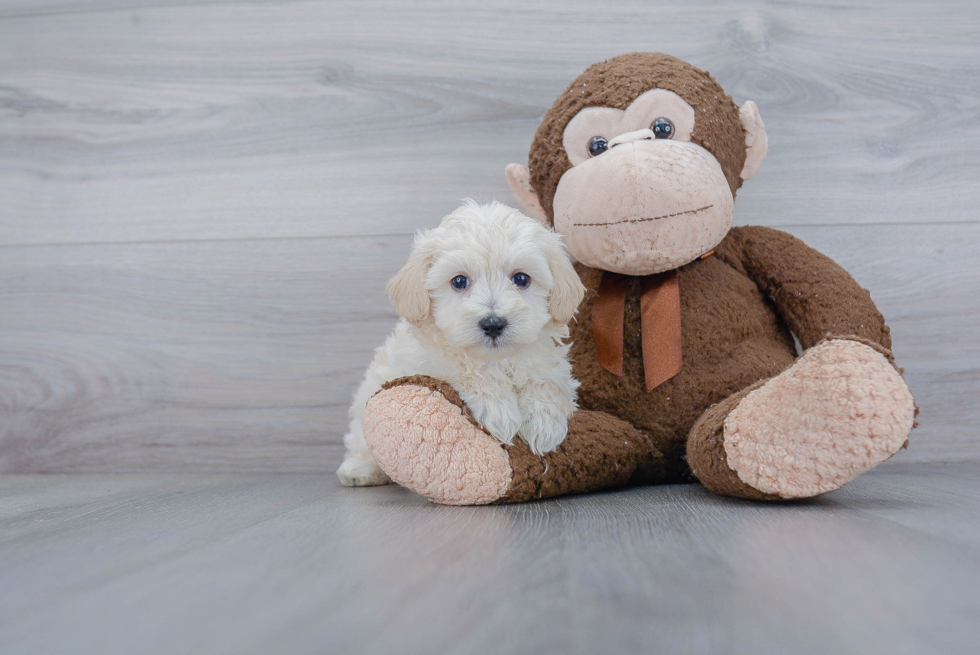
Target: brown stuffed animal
684	343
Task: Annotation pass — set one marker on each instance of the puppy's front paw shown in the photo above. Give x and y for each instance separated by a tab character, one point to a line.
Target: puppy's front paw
501	428
501	422
500	416
356	472
543	433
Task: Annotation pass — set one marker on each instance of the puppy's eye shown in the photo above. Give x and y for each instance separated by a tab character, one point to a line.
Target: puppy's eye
662	128
459	282
597	146
522	280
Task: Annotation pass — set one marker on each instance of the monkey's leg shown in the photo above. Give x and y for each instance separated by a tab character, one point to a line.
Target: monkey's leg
840	410
424	437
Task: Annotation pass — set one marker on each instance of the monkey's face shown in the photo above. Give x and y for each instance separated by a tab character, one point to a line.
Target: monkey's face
640	197
638	161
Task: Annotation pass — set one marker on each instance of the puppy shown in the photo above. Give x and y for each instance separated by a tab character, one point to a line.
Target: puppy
485	300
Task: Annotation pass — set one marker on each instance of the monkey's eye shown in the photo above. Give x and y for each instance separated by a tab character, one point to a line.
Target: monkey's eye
522	280
662	128
597	146
459	282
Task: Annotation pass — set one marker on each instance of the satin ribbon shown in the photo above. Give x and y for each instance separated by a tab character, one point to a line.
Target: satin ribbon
660	325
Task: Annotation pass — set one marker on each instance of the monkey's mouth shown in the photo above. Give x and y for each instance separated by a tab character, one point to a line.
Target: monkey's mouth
644	220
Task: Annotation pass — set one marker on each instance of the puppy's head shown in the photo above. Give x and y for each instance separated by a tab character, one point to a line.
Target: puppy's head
489	279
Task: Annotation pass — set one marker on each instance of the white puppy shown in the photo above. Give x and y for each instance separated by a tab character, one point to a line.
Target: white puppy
485	300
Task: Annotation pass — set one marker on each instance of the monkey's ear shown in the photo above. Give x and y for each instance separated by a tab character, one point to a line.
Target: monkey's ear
407	289
519	181
756	141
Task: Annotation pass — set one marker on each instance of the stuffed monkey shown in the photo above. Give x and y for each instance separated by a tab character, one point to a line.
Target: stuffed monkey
684	344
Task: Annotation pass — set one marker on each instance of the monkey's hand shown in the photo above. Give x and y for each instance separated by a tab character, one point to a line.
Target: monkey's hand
426	439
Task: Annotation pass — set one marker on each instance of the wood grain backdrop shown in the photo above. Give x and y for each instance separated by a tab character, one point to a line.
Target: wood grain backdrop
200	202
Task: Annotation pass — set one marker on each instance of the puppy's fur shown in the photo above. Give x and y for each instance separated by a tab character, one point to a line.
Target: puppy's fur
517	382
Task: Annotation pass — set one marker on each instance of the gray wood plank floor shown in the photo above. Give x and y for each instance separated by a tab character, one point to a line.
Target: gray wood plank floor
293	563
200	201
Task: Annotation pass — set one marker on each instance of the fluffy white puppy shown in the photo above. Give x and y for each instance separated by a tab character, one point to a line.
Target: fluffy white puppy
484	300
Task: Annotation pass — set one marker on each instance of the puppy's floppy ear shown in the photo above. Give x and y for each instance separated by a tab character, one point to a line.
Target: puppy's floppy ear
567	291
407	289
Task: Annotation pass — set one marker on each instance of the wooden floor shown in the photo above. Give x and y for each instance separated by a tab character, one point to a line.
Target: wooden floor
294	563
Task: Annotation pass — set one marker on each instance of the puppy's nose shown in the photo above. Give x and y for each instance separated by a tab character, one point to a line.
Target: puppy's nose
492	325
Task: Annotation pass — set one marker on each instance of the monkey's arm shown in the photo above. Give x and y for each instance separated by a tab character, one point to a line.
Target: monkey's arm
841	409
812	293
426	439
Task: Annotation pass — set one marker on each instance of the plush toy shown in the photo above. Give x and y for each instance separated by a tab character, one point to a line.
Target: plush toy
684	344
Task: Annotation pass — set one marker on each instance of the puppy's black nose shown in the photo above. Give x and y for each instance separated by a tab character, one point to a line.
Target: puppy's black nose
493	325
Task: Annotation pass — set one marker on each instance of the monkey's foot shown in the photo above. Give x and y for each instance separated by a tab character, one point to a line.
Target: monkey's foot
840	410
425	438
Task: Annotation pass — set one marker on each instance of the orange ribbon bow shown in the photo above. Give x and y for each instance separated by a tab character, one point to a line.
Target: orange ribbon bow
660	325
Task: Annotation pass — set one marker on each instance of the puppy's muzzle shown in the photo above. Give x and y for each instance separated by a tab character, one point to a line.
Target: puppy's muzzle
493	326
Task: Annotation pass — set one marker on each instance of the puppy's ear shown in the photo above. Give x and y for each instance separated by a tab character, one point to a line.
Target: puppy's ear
407	289
568	290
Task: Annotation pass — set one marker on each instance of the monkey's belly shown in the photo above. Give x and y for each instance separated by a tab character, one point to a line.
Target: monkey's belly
731	337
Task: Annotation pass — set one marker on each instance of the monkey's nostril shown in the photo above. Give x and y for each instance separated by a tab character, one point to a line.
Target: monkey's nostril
492	325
